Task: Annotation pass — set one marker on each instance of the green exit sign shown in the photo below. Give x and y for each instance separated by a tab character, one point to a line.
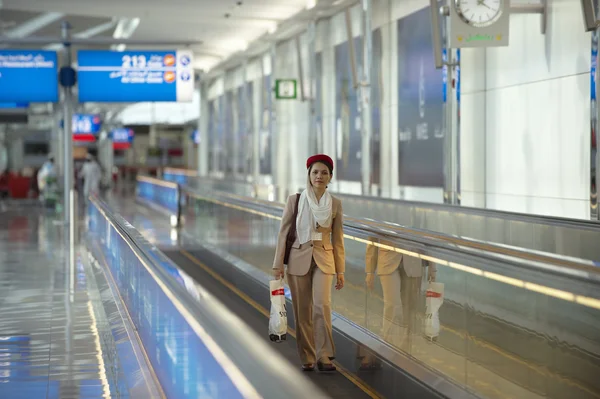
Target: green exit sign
286	89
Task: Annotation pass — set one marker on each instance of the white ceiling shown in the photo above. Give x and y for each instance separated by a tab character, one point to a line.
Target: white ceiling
175	20
216	40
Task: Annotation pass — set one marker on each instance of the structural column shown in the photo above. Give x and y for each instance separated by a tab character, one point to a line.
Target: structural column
67	133
15	153
202	153
273	125
3	151
365	93
452	132
106	157
313	146
248	128
56	141
594	125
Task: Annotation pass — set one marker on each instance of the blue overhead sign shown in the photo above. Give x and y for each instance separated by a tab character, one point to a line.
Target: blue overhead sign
122	138
135	76
13	105
28	76
86	124
122	135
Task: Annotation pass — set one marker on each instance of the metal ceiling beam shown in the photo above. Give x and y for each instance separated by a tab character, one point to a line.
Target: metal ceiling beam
93	31
100	40
124	30
296	25
34	24
96	30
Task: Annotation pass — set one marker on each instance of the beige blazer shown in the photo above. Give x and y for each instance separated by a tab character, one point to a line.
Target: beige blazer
329	254
384	261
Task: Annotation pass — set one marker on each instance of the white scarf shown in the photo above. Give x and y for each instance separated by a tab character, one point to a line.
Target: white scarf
312	212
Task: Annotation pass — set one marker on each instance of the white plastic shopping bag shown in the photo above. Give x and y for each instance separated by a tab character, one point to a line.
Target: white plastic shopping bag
278	319
433	302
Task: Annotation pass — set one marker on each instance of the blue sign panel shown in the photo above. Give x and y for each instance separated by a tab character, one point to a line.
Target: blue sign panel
28	76
135	76
122	135
13	105
86	124
122	138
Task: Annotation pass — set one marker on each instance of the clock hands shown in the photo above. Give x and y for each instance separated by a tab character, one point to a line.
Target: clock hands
482	3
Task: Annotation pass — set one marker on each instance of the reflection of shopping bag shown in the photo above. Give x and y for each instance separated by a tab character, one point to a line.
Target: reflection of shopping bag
278	319
435	298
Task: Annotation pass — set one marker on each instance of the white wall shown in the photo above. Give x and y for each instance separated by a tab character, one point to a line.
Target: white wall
161	113
524	133
525	137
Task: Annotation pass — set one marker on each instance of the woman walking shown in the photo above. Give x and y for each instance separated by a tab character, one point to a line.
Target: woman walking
311	243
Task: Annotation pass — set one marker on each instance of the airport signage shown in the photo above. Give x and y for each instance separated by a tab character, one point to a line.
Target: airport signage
135	76
286	89
28	76
122	138
14	105
85	127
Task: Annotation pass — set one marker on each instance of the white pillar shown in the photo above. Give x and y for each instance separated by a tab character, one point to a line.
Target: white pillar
365	93
202	154
15	154
56	140
257	107
106	158
153	134
3	150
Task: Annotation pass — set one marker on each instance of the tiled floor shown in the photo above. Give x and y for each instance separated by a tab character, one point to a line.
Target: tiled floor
54	339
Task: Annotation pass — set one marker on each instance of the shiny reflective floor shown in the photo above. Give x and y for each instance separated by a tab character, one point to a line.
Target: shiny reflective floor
54	339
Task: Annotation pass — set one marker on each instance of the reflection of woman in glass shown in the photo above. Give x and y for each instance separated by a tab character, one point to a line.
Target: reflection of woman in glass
400	277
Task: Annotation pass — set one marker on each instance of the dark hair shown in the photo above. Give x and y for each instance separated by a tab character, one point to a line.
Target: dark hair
324	163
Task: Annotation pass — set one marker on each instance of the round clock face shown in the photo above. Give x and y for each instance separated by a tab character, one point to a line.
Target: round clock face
479	13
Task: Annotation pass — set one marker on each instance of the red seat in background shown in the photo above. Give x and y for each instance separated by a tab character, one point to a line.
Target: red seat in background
18	186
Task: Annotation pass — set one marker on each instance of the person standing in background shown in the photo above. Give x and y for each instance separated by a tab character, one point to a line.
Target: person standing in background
92	174
46	175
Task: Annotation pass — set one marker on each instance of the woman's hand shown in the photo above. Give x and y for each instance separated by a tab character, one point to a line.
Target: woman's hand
278	273
431	274
340	282
370	280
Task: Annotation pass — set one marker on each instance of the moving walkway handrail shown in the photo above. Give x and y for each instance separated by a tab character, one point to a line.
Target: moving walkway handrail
486	212
259	369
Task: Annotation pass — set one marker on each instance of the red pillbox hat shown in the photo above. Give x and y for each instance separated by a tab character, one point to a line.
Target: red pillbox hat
319	158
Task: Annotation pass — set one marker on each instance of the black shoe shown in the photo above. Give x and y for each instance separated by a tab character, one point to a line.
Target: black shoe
370	366
308	367
326	367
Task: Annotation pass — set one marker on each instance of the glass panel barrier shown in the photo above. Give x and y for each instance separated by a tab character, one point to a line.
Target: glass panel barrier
159	192
508	328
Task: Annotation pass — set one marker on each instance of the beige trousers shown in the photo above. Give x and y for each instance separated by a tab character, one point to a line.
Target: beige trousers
401	298
311	300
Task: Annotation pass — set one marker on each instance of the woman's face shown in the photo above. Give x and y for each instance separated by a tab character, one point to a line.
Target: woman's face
319	175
